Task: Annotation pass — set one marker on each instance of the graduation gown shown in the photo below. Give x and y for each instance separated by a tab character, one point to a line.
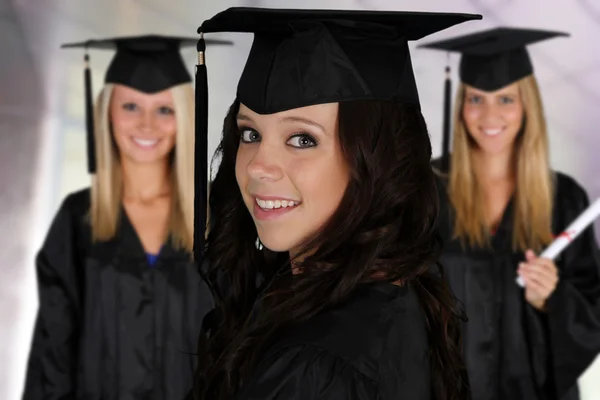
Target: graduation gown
109	325
374	347
512	350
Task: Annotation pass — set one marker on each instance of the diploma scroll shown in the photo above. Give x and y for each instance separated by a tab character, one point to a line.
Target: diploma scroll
568	235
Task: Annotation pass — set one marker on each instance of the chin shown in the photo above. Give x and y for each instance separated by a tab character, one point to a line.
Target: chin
493	151
147	158
277	240
486	147
275	244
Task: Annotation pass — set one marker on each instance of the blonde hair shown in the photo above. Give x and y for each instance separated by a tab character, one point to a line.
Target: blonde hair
107	183
532	201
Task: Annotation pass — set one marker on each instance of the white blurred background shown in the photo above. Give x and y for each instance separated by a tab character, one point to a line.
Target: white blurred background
42	132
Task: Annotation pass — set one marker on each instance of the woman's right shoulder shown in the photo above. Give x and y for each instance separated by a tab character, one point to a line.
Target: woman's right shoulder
76	204
71	216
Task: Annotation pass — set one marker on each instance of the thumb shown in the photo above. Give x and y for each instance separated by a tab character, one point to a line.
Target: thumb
530	255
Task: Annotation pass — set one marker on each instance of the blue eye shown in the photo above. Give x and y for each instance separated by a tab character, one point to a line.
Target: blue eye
506	100
475	99
130	106
166	111
249	135
302	141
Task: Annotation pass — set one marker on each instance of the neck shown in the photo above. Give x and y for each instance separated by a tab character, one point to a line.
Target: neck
142	182
493	168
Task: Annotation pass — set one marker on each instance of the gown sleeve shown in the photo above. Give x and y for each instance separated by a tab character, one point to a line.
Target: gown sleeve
52	359
573	309
307	373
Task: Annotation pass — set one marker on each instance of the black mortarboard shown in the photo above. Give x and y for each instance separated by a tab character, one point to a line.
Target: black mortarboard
490	60
149	63
306	57
494	58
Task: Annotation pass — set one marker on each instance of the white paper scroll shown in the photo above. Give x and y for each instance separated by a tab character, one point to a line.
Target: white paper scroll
568	235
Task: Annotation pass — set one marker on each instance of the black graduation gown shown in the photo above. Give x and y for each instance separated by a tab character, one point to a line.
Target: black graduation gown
109	325
512	350
374	347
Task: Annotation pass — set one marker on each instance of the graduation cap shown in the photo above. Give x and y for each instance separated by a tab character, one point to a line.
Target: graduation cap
149	63
307	57
491	60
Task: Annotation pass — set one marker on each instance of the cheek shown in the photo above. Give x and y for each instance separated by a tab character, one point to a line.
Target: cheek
122	124
322	183
167	125
471	116
241	161
514	115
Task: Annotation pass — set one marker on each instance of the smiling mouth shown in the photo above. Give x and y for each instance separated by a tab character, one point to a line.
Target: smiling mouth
492	131
145	143
269	205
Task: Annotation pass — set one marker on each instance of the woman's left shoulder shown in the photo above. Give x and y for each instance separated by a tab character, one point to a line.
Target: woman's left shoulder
565	182
569	191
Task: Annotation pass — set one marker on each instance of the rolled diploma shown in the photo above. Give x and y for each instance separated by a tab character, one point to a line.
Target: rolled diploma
568	235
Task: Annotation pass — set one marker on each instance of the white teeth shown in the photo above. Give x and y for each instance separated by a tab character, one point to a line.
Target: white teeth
271	204
492	132
145	142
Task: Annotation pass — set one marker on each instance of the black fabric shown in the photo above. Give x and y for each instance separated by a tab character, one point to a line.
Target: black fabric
307	57
149	63
110	326
374	347
494	58
512	350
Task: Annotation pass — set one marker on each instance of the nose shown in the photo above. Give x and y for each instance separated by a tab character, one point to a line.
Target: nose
491	112
265	164
146	122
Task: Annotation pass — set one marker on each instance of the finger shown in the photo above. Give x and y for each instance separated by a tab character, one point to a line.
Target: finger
539	286
545	269
536	290
530	255
545	262
542	276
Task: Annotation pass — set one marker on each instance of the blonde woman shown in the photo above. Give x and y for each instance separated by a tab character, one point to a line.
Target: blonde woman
120	298
501	205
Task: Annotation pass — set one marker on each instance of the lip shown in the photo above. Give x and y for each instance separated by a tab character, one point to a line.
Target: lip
496	131
136	141
263	215
275	213
265	197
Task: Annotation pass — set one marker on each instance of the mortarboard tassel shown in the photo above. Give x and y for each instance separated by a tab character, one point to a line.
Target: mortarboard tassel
200	151
89	115
446	122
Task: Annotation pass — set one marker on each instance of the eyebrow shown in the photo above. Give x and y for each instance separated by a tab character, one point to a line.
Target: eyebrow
304	121
243	117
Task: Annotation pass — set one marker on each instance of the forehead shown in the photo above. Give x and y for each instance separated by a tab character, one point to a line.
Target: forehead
513	88
122	91
319	112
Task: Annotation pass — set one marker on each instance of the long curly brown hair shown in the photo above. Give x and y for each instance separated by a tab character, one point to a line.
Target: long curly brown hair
384	229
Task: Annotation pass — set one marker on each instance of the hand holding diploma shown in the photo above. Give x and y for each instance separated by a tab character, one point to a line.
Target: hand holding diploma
541	272
540	276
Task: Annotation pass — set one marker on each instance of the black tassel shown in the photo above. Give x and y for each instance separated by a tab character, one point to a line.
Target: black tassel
89	116
446	126
200	150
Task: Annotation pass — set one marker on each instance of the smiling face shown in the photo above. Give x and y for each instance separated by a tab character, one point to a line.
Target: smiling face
493	119
143	125
291	172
